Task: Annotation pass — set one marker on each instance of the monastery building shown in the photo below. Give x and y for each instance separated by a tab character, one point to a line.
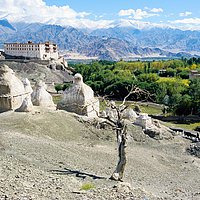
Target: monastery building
42	51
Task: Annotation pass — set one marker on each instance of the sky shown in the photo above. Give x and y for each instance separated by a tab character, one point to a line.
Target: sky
93	14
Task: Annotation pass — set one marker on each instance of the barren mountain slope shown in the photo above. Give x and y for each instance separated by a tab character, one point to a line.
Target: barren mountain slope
51	154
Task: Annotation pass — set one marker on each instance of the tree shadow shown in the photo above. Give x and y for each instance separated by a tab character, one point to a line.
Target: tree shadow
77	173
1	146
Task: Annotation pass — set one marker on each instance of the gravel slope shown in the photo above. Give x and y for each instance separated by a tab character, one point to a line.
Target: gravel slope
50	155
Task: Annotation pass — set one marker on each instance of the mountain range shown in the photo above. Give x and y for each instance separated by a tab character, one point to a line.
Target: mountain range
118	42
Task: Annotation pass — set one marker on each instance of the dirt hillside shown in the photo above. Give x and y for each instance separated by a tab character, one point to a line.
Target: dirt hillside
51	154
38	71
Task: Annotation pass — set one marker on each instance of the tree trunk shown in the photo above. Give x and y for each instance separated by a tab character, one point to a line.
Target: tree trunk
119	171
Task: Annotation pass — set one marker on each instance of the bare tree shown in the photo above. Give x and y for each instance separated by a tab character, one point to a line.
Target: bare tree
120	128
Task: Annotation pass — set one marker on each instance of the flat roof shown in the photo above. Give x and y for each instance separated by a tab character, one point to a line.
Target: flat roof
31	43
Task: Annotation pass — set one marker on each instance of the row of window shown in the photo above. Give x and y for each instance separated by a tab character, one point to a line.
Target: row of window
25	51
21	45
19	49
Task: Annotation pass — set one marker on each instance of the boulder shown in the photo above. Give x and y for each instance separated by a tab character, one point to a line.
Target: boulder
79	98
40	97
12	91
194	149
144	120
123	187
153	128
130	114
111	113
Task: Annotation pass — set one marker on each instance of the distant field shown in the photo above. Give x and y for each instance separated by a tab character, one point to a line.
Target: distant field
191	126
146	108
149	108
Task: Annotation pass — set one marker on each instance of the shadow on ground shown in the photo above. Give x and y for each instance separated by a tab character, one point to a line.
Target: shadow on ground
1	146
77	173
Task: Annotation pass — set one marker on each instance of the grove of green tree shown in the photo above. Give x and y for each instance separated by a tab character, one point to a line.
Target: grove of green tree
167	81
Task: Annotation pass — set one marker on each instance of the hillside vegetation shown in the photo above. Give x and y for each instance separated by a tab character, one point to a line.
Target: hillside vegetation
167	82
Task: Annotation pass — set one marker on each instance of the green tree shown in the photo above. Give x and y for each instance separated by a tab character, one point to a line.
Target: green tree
184	107
194	92
58	87
183	74
174	101
152	77
66	86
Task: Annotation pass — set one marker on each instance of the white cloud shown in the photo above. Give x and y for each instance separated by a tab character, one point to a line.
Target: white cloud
186	24
126	12
156	10
136	14
139	24
139	13
29	11
92	24
185	14
187	21
147	25
37	11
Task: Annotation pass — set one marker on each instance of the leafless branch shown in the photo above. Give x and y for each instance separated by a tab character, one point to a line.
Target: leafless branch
131	92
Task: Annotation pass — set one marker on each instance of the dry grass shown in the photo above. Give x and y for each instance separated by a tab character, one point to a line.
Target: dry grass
191	126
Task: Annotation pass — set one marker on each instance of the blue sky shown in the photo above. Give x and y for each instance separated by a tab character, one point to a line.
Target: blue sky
111	8
183	14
